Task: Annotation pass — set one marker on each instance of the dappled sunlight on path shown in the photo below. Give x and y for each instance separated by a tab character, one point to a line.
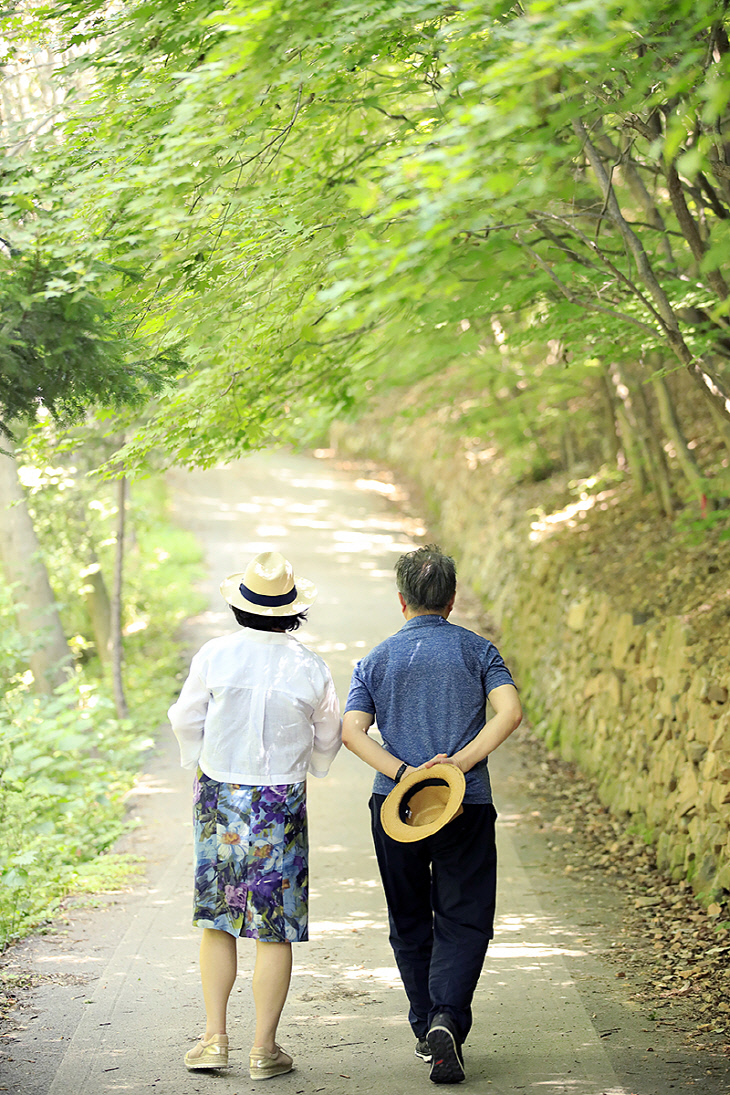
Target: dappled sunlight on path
546	1017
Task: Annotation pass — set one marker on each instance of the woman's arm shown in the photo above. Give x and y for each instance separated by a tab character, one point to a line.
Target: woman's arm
327	732
187	717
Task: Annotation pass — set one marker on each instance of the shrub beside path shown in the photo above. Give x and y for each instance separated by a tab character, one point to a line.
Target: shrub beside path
115	1000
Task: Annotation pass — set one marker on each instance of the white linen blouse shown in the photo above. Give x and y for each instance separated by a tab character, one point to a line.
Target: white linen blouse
258	708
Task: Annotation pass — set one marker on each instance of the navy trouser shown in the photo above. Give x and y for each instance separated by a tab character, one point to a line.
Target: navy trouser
440	893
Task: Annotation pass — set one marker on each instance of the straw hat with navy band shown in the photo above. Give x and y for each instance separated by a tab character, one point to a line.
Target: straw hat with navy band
267	587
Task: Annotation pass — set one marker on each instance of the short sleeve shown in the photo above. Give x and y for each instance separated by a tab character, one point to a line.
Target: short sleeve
494	671
359	697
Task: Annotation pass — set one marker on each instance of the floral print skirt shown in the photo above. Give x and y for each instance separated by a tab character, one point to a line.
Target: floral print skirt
251	859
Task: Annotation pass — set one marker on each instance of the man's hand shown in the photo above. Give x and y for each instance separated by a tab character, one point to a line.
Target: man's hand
441	758
507	717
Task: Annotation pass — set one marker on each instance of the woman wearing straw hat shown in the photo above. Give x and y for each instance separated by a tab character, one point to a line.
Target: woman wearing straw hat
256	713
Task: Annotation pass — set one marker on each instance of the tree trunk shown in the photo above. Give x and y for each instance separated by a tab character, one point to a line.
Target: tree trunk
98	604
639	193
610	440
646	458
51	659
655	455
568	447
629	432
723	426
673	430
117	643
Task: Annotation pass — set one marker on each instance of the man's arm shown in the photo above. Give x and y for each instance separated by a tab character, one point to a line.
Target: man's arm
507	717
355	726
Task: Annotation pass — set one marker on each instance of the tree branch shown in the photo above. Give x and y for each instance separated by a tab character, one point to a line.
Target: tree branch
700	372
663	305
591	245
690	230
572	255
570	295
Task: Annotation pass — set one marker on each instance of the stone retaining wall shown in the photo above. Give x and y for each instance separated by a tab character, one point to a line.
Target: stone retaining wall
619	695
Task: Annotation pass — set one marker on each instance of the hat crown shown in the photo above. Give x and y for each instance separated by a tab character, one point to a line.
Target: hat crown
267	587
269	574
426	805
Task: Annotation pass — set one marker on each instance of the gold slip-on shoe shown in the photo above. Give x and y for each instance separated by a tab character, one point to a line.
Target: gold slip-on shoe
263	1065
212	1054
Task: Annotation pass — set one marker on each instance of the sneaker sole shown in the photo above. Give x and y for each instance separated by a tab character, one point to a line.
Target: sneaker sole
446	1067
270	1075
192	1066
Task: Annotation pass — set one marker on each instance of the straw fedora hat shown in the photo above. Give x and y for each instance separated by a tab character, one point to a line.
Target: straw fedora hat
267	587
423	802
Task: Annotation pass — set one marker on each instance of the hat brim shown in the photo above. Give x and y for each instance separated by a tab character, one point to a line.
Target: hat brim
231	591
390	812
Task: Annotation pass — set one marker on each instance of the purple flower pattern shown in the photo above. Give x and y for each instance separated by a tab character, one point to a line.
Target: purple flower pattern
262	890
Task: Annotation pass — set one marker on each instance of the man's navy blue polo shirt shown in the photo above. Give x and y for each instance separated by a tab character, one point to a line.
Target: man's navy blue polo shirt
427	687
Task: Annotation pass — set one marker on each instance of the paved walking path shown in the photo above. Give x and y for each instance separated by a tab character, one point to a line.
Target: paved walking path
550	1017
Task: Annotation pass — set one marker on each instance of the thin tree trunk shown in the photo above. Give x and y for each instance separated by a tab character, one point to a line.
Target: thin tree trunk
691	232
610	439
51	659
655	455
568	447
723	426
117	643
629	431
673	430
98	604
639	192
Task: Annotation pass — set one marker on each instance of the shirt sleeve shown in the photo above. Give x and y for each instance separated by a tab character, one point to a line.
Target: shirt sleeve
359	697
187	716
494	672
327	731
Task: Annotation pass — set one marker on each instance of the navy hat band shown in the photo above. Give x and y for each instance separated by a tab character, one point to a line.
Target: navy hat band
268	602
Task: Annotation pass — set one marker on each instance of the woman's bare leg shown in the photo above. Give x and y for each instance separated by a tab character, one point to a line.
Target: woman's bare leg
218	965
271	977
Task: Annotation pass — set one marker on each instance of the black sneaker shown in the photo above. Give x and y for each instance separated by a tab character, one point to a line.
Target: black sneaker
447	1064
423	1051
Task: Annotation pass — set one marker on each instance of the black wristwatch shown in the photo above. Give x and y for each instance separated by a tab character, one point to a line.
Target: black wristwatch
399	773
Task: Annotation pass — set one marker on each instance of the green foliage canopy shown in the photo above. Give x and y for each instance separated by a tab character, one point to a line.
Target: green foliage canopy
61	348
310	196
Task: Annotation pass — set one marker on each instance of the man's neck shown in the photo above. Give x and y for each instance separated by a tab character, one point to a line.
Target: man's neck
410	613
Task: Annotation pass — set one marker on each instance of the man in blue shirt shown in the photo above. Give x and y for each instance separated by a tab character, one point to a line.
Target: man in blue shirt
427	687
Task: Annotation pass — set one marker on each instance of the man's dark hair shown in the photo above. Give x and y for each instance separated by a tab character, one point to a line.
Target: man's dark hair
268	623
426	578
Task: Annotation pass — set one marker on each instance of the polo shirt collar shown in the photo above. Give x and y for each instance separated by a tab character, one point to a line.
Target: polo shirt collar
426	620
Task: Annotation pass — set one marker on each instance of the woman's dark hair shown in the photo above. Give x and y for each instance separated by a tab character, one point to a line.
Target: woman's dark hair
426	578
268	623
